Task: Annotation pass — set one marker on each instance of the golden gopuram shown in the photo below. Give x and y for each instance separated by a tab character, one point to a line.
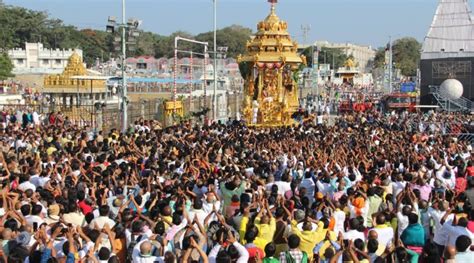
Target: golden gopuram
75	85
270	70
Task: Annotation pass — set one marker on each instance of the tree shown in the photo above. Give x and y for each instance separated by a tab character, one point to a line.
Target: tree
406	55
234	37
19	25
6	67
146	44
309	57
333	56
164	47
379	60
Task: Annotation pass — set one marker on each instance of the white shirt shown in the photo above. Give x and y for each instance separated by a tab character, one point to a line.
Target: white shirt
455	231
308	184
243	253
42	181
138	258
31	219
324	188
448	182
364	211
339	218
35	117
27	185
145	236
34	179
441	234
385	235
75	218
101	221
319	119
283	187
353	235
436	216
398	188
207	207
403	219
200	213
402	222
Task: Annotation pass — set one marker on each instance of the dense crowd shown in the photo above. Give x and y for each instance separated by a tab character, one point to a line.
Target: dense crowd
370	188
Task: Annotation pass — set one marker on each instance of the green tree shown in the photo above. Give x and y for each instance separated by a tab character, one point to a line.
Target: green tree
326	57
6	67
234	37
164	47
406	55
379	61
309	57
19	25
146	44
333	56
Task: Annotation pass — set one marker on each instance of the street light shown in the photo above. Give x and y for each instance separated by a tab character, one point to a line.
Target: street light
214	101
130	26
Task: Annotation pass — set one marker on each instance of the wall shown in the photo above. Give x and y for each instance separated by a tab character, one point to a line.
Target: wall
34	58
435	71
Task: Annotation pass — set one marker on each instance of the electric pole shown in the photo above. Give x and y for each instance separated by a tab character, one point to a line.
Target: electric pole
124	72
305	29
390	66
214	101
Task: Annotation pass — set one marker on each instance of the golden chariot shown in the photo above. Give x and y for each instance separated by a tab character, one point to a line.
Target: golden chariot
271	70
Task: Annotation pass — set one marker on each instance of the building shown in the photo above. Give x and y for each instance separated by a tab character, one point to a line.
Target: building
34	58
448	50
75	85
363	55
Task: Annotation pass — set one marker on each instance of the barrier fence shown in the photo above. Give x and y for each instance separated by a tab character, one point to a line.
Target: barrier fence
105	117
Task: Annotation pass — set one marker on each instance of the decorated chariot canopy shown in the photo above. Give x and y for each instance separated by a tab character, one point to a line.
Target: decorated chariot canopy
271	69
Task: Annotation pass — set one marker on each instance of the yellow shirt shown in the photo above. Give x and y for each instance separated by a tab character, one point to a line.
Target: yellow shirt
265	231
309	239
259	241
51	150
169	219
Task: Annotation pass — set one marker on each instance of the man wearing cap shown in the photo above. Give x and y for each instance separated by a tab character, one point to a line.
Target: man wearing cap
73	216
115	202
53	214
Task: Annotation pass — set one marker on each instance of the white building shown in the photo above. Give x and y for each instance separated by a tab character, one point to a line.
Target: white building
37	59
363	55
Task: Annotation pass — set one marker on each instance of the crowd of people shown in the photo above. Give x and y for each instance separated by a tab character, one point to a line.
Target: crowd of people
370	188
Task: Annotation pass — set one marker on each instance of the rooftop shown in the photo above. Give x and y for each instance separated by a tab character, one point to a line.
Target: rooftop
451	33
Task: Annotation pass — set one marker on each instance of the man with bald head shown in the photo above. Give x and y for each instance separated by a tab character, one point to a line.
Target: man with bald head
384	231
143	253
380	248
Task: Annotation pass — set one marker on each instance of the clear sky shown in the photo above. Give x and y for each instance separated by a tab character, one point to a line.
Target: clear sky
369	22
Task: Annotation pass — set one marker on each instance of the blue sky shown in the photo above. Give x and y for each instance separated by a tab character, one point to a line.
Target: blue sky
367	22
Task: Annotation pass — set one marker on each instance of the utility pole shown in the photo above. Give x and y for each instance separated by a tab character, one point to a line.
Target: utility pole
390	66
305	29
124	74
120	44
214	101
